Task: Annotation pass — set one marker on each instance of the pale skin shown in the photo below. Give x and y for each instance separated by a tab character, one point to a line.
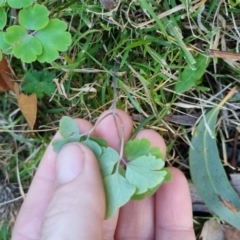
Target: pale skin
59	207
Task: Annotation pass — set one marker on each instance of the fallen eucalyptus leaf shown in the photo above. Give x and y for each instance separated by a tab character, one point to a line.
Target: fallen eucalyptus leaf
208	174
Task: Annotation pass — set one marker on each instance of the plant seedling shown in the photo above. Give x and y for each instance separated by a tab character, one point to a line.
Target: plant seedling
136	175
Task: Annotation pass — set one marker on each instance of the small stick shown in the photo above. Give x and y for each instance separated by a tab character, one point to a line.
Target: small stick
223	54
114	109
114	85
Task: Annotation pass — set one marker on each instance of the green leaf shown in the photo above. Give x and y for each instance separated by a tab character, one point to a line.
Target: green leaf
3	18
118	192
40	83
19	3
148	193
234	3
68	127
177	34
208	174
4	46
54	38
101	142
144	173
2	1
188	78
155	151
15	34
140	147
168	176
59	143
33	46
96	149
107	160
34	18
137	148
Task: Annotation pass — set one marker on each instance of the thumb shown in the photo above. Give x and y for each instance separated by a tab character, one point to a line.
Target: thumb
77	208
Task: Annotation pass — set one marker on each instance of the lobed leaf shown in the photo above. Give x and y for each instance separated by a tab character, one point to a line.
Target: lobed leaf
38	82
34	18
3	18
4	46
19	3
59	143
148	193
15	34
118	192
144	173
96	149
33	46
68	127
137	148
208	174
155	151
101	142
54	38
107	160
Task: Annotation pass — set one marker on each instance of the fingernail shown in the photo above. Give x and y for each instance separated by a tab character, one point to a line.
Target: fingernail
70	163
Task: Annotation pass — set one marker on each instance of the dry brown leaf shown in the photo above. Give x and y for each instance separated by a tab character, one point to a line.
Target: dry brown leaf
185	120
28	106
212	230
231	233
6	82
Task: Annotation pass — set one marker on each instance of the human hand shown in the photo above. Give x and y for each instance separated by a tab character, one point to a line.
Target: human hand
66	199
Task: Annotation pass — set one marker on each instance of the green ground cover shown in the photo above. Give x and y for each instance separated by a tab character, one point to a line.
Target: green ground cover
165	75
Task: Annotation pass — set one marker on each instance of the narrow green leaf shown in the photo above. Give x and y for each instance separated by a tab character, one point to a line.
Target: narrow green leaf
68	127
118	192
145	6
3	18
144	173
208	174
176	33
107	160
189	77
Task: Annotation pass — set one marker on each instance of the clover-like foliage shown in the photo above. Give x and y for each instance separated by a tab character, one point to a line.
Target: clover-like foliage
36	37
19	3
135	177
39	82
3	18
